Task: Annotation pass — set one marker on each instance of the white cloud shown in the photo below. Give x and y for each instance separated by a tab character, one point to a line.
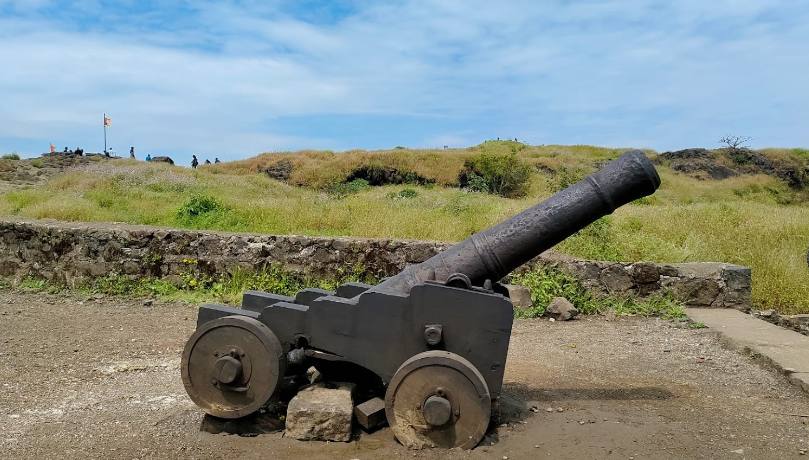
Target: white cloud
596	72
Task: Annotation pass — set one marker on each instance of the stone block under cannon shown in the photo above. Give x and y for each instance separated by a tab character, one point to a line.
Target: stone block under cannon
434	336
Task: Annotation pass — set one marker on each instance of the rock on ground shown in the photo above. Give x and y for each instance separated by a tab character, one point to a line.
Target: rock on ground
561	309
520	296
321	412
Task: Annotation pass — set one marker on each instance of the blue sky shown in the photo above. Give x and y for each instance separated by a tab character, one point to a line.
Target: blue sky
236	78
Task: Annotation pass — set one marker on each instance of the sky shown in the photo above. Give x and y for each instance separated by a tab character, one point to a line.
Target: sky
232	79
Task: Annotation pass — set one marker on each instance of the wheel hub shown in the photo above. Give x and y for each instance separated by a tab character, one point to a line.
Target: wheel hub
437	411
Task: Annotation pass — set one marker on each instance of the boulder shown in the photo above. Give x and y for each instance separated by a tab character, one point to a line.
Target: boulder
561	309
321	412
279	171
163	160
616	279
798	321
520	296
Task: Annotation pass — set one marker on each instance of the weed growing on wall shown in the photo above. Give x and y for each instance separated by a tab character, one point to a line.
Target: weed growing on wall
547	282
195	287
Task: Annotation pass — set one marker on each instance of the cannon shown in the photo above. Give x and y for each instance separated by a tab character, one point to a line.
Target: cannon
435	336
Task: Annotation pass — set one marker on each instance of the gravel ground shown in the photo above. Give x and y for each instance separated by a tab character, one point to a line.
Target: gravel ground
85	378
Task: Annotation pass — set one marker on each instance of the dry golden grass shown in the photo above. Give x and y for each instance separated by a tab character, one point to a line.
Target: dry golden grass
318	169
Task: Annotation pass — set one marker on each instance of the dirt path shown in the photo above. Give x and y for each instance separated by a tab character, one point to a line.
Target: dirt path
99	379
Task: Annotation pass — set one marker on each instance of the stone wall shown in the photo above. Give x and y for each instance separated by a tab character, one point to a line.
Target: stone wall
70	253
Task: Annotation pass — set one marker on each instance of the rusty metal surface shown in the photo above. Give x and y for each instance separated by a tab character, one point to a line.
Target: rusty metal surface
496	251
438	399
231	366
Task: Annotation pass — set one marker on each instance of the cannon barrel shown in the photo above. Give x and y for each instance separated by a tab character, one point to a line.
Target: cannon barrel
498	250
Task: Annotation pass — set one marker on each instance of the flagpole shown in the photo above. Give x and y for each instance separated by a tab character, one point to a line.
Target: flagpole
105	132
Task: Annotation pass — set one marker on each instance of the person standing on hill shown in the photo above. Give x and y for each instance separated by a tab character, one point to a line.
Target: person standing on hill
132	152
148	157
216	160
194	162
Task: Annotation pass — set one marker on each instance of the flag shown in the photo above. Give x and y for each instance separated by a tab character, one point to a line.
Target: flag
53	149
106	122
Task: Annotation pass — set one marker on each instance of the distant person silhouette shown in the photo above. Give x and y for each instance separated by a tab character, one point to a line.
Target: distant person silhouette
148	157
132	152
207	161
216	160
194	162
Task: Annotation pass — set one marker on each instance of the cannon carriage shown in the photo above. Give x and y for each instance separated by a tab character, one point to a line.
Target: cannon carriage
435	335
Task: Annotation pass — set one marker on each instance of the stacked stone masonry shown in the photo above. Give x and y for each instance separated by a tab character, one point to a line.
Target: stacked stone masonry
71	253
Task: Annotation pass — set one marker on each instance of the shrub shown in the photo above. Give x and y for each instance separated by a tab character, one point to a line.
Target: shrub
547	282
199	205
504	175
476	183
405	193
37	163
344	189
11	156
375	174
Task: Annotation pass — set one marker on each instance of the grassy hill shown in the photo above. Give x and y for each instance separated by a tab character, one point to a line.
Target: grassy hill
758	216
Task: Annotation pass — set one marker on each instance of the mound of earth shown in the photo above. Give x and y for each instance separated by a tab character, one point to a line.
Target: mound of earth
724	163
36	171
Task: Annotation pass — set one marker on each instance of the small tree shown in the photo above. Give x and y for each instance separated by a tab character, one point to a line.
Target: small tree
735	149
733	142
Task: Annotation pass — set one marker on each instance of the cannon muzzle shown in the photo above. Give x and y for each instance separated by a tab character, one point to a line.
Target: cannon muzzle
498	250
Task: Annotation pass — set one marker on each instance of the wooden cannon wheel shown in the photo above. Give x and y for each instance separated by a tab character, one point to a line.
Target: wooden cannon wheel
438	399
231	366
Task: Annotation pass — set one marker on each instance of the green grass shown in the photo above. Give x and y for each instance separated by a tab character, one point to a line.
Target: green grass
749	220
546	282
11	156
196	288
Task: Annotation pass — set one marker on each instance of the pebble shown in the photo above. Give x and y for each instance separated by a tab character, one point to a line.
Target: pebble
737	451
147	303
550	409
